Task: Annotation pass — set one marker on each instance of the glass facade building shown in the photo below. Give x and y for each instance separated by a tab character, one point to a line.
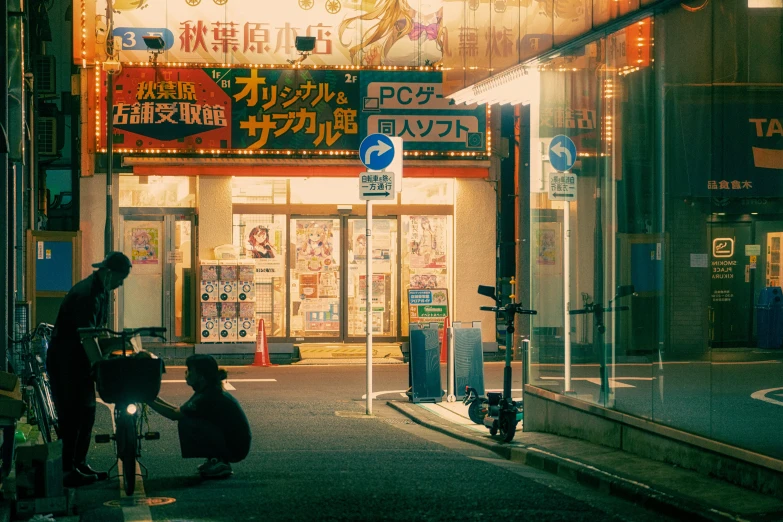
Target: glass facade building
674	191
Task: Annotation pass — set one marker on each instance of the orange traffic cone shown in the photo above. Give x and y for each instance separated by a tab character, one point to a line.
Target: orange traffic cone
262	347
444	342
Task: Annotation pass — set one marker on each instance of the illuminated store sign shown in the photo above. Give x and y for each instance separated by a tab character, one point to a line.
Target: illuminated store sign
283	110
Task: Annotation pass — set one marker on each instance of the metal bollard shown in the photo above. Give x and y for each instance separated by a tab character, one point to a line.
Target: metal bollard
451	395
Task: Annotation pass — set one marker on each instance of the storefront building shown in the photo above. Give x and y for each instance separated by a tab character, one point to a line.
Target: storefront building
233	150
654	217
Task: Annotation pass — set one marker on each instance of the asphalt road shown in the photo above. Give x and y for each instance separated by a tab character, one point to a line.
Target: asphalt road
316	456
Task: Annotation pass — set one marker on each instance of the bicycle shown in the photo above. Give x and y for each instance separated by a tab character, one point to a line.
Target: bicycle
34	378
128	381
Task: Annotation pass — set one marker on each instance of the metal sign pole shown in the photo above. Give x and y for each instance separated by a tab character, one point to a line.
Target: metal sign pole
368	281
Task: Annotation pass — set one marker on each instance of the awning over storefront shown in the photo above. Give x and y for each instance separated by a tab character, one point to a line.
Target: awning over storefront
311	167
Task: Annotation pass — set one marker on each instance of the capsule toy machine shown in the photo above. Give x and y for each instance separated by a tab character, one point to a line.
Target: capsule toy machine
229	281
246	323
210	318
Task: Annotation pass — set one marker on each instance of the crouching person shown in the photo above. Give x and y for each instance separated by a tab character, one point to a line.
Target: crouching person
212	424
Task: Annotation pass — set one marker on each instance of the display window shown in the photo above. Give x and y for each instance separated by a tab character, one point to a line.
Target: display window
262	239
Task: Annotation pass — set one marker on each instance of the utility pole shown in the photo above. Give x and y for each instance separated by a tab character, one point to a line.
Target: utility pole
108	234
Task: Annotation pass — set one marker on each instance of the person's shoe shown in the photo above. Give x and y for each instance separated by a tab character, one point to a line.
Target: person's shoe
75	479
216	469
87	470
203	465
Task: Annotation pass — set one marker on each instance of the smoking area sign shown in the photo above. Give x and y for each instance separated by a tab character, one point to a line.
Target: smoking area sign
562	186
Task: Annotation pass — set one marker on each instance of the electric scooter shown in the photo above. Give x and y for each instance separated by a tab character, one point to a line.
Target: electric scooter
503	413
477	406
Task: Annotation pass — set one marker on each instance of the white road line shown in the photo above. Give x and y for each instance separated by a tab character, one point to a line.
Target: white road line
375	394
614	383
762	396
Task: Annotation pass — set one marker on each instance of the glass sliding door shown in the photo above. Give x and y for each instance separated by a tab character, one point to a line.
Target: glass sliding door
315	263
384	279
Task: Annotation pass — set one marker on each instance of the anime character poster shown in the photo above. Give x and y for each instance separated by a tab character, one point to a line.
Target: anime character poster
394	32
145	246
546	247
427	241
315	245
259	244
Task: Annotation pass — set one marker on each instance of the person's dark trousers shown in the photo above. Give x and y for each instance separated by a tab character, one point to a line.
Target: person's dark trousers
201	439
74	397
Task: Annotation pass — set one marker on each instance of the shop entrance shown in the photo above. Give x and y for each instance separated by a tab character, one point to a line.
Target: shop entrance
160	288
328	278
731	295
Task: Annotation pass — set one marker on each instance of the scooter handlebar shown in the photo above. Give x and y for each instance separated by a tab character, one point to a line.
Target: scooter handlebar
488	308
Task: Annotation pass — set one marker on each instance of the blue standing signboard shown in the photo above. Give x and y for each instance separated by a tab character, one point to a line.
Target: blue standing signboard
562	153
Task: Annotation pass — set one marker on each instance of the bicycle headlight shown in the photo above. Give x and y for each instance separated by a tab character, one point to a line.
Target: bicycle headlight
131	409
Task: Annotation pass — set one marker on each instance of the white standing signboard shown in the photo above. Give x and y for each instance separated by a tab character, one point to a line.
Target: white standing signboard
562	186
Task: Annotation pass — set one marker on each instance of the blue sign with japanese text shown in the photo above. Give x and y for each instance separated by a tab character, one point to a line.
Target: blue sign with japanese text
562	153
419	296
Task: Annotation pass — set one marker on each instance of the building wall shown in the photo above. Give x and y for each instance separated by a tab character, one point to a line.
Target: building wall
92	220
214	214
474	252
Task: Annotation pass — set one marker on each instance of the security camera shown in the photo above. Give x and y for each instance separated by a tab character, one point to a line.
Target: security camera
305	44
154	42
112	67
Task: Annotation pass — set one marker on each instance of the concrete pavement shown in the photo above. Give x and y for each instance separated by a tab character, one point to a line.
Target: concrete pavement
674	491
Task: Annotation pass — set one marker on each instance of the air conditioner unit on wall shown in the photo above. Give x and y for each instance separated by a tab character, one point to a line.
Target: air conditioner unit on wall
46	136
45	75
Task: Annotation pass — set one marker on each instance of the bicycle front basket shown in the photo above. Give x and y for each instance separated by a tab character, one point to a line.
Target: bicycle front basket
128	379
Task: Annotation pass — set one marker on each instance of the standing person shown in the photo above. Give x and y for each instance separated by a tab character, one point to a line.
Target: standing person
85	306
211	423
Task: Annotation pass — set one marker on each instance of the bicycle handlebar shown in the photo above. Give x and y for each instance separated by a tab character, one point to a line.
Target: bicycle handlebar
152	331
517	309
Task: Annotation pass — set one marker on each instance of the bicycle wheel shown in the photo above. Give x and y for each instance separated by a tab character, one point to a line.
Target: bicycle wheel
44	424
126	450
51	410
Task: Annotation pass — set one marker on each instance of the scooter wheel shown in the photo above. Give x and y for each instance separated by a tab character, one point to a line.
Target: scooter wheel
477	411
508	428
494	429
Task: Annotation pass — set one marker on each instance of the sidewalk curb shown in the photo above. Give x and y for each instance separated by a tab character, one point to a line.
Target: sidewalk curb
605	481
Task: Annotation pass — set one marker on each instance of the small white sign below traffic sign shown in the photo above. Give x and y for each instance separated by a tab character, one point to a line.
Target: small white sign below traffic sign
376	185
562	186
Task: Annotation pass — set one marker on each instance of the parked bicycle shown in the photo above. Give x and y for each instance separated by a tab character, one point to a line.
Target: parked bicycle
128	378
31	369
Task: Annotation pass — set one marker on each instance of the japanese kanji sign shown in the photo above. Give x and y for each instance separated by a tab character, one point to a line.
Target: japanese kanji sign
250	109
234	109
411	105
248	32
562	186
376	185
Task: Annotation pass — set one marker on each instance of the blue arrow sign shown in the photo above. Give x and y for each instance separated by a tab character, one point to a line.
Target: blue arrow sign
562	153
376	151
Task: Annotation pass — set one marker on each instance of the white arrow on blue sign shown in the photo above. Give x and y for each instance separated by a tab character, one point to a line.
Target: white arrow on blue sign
376	151
562	153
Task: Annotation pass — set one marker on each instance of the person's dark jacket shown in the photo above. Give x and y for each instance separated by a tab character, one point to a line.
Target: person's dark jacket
85	306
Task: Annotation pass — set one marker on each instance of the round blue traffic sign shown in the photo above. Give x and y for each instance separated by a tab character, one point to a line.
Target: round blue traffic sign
376	151
562	153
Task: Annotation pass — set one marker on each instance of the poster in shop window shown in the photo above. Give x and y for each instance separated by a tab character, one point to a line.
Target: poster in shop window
145	246
314	245
428	305
427	242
